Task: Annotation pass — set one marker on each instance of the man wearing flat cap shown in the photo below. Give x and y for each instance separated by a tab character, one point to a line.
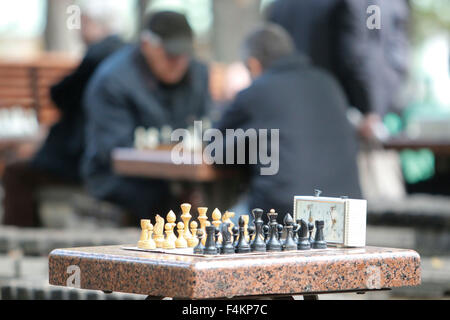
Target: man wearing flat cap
153	84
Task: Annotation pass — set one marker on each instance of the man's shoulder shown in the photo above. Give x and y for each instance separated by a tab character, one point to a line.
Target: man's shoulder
115	67
104	48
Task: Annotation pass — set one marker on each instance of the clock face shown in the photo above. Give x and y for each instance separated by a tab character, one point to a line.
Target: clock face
331	211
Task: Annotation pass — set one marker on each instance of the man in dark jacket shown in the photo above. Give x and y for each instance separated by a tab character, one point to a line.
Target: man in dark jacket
58	160
370	63
154	84
317	146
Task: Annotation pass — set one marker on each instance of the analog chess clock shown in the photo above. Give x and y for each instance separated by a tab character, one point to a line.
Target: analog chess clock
345	219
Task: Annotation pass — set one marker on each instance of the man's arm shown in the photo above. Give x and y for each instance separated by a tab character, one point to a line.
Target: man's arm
110	122
354	66
68	93
237	116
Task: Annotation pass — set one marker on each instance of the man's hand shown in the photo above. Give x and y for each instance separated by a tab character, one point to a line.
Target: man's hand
372	128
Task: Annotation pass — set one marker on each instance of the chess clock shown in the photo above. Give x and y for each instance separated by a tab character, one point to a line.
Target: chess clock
345	219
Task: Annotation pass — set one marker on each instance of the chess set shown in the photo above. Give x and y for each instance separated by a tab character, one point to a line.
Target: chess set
220	237
160	138
17	122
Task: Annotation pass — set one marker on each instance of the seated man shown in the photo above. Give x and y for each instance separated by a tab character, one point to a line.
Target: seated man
58	161
153	84
317	146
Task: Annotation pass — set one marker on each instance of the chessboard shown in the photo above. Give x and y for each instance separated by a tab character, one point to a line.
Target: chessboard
221	237
189	252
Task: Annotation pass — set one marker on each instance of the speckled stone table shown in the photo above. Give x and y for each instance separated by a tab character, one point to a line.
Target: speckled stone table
305	273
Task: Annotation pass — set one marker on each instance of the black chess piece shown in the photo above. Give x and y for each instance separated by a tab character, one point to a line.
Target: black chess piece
319	241
210	244
258	244
266	232
235	231
242	246
295	229
280	229
227	245
199	249
251	232
289	244
273	244
217	237
303	240
310	229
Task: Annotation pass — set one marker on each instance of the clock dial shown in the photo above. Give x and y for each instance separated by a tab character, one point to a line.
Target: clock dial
331	212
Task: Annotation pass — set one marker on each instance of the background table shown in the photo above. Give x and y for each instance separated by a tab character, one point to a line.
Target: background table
210	186
158	164
440	147
188	277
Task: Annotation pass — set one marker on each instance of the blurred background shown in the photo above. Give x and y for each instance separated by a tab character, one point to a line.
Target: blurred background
404	173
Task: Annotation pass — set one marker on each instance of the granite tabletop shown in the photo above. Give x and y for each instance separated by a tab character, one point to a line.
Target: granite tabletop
112	268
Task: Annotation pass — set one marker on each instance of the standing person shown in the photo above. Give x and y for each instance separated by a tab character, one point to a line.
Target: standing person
155	83
317	145
371	64
58	160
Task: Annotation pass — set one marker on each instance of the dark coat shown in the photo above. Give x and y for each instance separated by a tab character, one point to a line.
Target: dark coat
370	64
318	147
62	150
122	96
309	22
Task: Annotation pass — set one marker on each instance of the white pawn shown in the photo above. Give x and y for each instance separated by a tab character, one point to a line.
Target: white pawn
152	138
181	241
140	135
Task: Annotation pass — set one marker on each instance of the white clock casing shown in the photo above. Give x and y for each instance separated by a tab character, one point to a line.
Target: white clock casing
345	219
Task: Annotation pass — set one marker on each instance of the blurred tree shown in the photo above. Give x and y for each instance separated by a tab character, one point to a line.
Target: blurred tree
429	17
141	6
57	37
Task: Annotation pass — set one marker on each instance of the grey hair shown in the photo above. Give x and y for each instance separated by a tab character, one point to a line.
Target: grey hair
107	13
267	44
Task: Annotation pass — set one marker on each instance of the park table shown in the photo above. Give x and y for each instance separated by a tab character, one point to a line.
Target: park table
158	164
440	147
213	186
277	275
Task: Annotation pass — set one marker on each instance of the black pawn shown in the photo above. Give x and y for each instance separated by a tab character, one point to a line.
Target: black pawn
280	230
258	244
210	245
266	232
199	249
295	229
310	229
227	245
303	240
289	243
217	235
319	241
251	232
235	231
242	246
273	244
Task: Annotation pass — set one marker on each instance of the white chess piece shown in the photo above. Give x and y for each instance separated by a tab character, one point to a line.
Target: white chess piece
166	133
140	135
152	138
